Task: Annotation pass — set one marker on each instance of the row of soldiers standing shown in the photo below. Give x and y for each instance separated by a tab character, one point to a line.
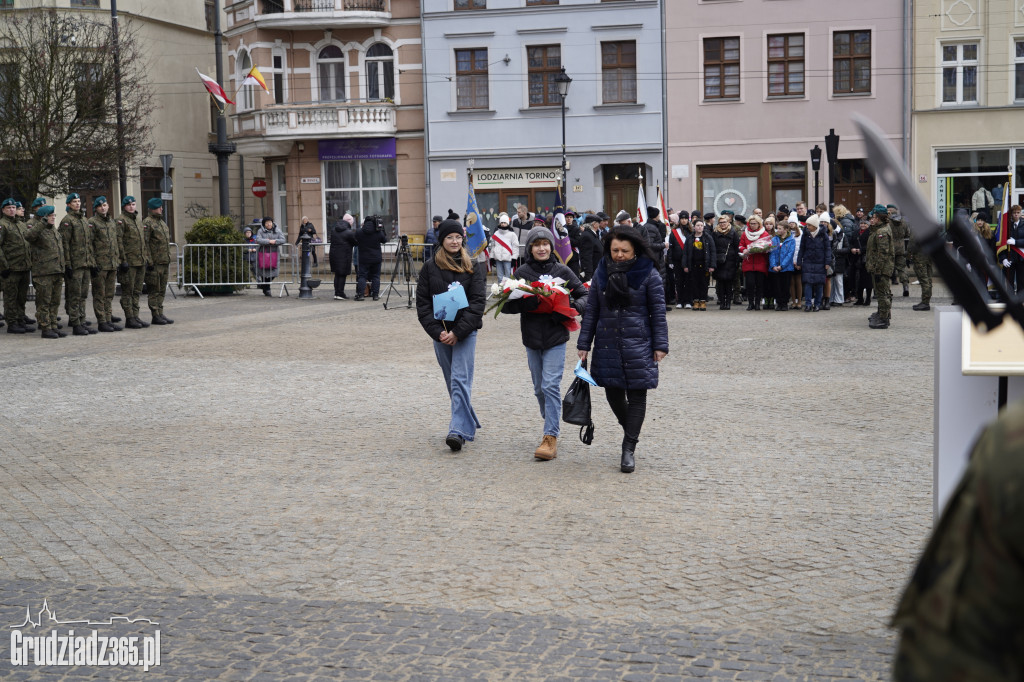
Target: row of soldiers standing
80	253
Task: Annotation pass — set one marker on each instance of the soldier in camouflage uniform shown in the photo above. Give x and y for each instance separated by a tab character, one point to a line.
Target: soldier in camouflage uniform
109	255
900	236
79	264
158	237
15	264
48	267
136	256
962	614
922	270
879	262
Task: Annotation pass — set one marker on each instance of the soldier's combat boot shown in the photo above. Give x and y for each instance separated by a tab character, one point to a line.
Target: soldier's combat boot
115	327
90	330
166	319
61	335
26	321
141	321
878	323
114	319
921	306
906	290
15	329
132	323
158	320
79	330
104	327
50	334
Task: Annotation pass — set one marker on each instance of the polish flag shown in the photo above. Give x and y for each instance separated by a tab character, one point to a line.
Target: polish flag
214	89
641	205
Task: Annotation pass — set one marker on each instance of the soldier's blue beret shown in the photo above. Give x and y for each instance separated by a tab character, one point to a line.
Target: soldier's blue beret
72	197
155	203
99	201
8	202
128	200
44	211
40	201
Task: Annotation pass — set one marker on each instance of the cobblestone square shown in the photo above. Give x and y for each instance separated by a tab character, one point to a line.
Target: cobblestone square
268	479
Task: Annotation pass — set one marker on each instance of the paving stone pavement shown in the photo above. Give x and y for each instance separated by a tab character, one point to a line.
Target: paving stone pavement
267	478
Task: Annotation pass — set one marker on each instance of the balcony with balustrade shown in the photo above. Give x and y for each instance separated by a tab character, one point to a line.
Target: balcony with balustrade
272	130
305	14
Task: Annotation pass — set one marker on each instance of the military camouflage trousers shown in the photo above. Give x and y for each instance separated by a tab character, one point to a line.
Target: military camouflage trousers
74	297
47	300
15	296
900	271
156	287
103	286
923	272
131	289
883	294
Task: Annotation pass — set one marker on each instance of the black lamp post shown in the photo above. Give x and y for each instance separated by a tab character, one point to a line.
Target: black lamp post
832	152
562	80
816	166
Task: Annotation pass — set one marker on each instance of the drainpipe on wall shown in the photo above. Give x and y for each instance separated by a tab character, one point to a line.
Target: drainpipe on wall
426	123
664	107
908	55
241	187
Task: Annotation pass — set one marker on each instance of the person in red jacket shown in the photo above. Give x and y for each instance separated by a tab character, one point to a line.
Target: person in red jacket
755	243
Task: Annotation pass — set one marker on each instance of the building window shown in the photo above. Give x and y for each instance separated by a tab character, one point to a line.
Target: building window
210	15
150	179
278	78
470	4
786	65
363	188
331	71
380	73
245	99
6	4
960	73
85	3
721	68
10	88
1018	65
543	63
89	91
280	189
851	62
541	2
471	79
618	72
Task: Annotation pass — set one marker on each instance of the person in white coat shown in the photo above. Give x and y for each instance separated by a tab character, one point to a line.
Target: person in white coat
504	247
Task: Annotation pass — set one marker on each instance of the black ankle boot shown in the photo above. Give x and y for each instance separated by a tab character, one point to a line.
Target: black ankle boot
628	464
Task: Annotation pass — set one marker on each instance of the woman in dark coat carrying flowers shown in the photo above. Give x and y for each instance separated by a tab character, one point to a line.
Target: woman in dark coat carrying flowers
455	341
625	322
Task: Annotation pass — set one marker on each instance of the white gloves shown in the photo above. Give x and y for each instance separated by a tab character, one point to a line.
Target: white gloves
1006	263
1011	241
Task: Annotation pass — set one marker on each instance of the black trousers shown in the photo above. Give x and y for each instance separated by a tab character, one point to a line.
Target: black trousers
723	289
371	272
629	407
339	283
682	284
754	282
781	290
699	282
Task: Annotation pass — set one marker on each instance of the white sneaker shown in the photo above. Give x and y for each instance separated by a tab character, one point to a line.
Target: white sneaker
679	305
688	306
338	298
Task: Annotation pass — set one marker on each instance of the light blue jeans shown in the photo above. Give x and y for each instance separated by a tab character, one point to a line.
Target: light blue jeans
546	368
457	365
503	268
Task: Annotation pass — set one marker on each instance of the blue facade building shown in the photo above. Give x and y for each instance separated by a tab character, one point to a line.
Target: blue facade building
493	106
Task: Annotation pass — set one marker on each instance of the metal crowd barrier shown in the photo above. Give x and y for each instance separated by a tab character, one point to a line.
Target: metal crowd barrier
320	265
228	265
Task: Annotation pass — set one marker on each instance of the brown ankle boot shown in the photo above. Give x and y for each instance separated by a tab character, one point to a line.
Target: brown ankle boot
548	448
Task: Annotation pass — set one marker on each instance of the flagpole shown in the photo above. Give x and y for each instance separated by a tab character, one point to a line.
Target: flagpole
222	149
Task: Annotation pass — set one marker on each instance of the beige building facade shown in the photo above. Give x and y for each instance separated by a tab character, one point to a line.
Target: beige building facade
341	128
968	115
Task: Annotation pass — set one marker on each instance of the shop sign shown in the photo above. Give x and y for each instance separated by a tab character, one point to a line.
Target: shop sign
358	148
514	178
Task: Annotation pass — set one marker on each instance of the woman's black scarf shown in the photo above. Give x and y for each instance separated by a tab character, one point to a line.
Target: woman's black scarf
617	292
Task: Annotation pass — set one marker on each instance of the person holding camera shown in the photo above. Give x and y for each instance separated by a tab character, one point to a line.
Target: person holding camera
455	341
369	237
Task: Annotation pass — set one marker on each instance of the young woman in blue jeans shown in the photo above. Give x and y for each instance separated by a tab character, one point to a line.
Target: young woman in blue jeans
455	341
544	334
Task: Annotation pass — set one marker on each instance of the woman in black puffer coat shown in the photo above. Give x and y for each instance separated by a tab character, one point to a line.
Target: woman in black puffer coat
625	322
342	240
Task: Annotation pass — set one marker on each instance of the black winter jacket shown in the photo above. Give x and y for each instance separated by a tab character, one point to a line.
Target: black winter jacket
727	253
591	251
342	240
434	280
625	339
692	255
815	255
541	331
676	252
369	239
654	231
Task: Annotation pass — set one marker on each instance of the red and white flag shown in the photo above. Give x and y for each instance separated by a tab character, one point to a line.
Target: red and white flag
213	87
641	205
661	206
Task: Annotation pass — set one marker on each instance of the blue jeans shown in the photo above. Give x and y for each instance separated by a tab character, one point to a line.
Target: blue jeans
457	365
504	269
546	368
813	294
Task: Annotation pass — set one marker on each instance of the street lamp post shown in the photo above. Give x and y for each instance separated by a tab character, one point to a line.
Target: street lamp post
816	166
562	80
832	152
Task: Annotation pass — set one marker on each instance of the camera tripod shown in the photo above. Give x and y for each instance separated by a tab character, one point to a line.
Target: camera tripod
403	264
